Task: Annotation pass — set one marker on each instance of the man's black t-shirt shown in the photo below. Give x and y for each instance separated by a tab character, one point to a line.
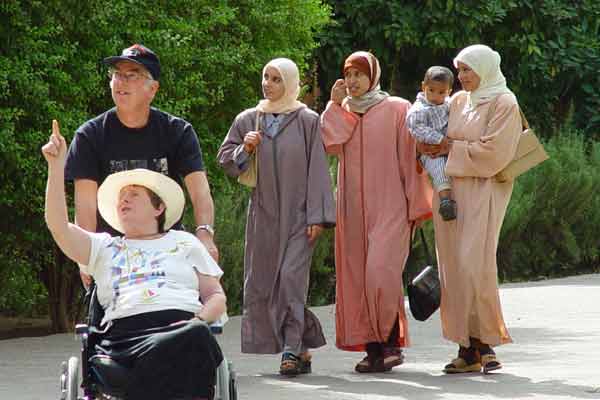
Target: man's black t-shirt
103	145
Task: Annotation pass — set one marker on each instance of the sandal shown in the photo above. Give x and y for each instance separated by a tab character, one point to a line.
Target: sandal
459	365
490	363
392	357
305	363
371	364
289	364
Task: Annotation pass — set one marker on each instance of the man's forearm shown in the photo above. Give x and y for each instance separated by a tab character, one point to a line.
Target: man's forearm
202	202
204	211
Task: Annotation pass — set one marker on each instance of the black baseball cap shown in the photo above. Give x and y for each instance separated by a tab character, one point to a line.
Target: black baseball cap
140	55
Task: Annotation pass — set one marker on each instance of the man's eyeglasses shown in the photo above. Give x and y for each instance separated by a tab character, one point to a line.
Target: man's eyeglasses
130	76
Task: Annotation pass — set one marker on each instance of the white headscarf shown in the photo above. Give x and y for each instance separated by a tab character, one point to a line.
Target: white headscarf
291	81
485	62
374	95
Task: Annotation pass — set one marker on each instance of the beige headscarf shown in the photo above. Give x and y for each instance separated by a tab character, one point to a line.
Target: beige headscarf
485	62
291	81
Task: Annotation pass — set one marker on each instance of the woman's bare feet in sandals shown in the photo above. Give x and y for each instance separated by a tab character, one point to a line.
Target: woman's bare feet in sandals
292	365
392	357
305	365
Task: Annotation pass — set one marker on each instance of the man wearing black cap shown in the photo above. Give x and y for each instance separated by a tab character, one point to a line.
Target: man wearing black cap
135	135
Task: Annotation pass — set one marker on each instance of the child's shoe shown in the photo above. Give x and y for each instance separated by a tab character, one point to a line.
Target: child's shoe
447	209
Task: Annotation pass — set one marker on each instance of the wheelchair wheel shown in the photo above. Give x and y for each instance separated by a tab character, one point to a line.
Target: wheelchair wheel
232	383
69	379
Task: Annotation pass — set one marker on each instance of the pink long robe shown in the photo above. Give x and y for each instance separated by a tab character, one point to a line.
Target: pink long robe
467	246
380	193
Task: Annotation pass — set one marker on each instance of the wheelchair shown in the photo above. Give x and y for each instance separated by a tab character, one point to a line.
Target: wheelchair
105	379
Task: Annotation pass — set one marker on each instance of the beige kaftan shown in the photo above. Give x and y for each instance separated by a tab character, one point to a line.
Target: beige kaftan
467	246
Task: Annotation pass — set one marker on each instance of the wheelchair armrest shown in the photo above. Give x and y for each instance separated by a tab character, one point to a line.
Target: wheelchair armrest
82	329
216	327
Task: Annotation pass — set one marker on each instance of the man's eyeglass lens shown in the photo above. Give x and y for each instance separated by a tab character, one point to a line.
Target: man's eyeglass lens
132	76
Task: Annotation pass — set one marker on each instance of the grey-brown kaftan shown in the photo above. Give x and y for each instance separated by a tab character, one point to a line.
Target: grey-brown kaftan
293	191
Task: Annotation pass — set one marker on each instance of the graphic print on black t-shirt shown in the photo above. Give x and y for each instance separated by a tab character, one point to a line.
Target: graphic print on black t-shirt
155	164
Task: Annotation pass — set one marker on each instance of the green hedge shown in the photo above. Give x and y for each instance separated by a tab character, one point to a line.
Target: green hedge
550	48
212	53
550	228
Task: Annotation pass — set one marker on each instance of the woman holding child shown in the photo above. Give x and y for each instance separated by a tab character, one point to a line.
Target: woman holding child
381	195
483	128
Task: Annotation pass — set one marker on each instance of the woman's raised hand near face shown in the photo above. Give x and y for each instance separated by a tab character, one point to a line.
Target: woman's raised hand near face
338	91
55	151
251	140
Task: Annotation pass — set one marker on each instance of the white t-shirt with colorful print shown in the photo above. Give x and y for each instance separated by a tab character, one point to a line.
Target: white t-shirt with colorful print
139	276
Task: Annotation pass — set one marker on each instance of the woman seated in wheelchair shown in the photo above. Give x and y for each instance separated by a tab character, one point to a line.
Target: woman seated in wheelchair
148	281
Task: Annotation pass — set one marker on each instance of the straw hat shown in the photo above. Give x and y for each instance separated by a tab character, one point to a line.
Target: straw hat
166	188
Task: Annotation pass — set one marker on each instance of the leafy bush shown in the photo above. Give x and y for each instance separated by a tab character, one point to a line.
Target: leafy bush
551	224
550	48
212	53
550	228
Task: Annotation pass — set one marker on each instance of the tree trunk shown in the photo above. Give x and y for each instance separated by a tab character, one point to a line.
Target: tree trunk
64	292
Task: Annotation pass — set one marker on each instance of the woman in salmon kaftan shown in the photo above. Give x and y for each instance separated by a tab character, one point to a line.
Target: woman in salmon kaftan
380	196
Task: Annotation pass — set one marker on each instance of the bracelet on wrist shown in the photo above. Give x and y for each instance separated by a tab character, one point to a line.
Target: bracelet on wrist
205	227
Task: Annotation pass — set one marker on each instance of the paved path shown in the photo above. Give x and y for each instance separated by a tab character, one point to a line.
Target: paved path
556	355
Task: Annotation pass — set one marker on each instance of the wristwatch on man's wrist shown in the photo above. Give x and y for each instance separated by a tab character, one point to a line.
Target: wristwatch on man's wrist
205	227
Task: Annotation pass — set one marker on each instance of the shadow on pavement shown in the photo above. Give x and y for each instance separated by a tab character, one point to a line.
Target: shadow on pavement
411	384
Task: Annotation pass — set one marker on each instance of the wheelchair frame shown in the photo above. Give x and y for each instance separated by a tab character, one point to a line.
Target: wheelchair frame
226	382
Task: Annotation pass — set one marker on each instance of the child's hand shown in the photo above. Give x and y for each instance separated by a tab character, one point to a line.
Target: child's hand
55	151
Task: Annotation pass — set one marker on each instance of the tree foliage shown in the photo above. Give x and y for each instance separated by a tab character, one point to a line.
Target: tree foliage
212	53
550	48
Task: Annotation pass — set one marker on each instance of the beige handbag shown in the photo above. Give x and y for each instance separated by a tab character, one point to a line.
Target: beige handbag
530	153
250	176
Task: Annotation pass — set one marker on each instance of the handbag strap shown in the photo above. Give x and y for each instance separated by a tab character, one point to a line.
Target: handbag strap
492	109
257	121
524	121
405	276
425	247
256	128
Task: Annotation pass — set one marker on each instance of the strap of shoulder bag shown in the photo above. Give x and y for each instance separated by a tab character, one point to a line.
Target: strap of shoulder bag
408	279
492	109
257	120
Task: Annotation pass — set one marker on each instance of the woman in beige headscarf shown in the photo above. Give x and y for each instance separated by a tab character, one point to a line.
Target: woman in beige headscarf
484	127
289	207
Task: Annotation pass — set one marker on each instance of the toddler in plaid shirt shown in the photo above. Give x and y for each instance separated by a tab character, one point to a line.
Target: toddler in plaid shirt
427	121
